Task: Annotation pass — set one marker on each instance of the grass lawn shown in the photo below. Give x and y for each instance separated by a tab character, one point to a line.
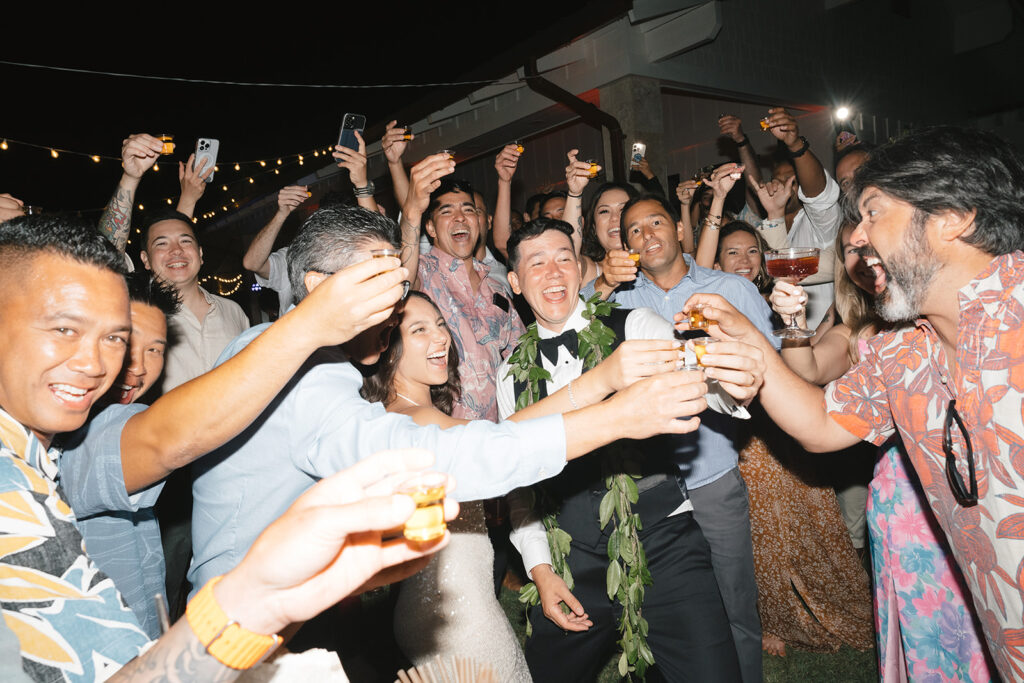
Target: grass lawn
847	665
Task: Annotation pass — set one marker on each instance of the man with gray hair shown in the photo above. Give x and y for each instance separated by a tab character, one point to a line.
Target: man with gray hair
320	424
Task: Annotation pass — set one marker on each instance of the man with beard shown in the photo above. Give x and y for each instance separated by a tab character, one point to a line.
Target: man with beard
942	226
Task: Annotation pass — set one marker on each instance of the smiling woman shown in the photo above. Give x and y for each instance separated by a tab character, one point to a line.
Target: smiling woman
449	608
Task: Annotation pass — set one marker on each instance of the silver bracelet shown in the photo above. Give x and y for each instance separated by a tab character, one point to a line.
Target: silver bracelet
572	399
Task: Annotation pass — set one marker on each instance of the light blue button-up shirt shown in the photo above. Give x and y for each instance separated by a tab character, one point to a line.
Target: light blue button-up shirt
121	532
319	424
705	455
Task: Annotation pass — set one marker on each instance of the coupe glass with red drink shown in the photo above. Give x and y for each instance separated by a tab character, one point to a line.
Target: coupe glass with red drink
792	265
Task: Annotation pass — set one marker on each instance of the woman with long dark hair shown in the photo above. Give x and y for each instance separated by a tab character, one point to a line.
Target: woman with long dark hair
449	608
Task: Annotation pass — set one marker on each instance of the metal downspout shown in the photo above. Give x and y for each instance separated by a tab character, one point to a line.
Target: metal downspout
587	112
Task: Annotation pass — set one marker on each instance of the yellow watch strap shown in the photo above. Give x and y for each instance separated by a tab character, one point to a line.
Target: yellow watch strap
225	640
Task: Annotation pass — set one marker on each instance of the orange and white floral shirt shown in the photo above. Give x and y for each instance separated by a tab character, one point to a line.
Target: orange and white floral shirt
68	616
904	386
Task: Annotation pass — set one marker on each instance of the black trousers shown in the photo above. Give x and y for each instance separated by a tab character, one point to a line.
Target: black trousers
689	631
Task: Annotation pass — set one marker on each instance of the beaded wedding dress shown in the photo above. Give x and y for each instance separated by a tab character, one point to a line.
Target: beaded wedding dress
449	608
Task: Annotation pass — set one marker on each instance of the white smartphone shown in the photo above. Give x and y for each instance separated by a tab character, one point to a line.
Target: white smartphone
637	155
206	149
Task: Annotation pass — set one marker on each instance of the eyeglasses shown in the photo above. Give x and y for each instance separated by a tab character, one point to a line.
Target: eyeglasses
966	497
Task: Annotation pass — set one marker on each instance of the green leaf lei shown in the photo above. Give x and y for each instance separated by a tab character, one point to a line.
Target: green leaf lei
627	563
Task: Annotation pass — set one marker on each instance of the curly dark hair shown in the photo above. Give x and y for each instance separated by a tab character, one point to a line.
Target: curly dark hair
592	248
380	386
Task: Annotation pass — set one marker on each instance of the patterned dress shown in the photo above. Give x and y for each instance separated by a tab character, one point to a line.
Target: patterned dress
906	386
813	593
927	630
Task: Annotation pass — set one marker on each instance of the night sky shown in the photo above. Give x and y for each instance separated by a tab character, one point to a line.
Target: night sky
373	44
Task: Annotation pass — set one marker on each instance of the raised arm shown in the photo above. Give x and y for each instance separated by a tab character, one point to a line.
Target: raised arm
138	154
721	183
326	546
819	360
774	196
732	127
426	177
257	255
505	165
193	184
394	143
577	175
809	171
355	162
684	193
205	413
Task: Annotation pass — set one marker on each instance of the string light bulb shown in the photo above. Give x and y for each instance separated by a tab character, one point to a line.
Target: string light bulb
53	153
168	200
156	167
224	187
277	172
237	167
224	207
300	156
141	207
3	145
194	219
316	152
251	180
278	162
96	158
216	169
263	164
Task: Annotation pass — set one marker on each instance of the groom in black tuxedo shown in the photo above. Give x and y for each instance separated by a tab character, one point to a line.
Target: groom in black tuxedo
689	633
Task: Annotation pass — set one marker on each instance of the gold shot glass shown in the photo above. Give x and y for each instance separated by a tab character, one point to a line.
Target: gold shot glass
168	141
427	491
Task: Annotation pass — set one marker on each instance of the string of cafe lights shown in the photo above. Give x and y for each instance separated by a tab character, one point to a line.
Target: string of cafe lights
337	86
251	169
233	282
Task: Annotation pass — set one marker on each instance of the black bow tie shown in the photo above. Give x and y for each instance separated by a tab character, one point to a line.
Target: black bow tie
549	347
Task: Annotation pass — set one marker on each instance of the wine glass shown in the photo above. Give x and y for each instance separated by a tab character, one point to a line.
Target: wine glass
792	265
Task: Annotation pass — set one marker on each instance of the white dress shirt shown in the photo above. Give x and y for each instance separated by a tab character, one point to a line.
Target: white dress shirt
528	534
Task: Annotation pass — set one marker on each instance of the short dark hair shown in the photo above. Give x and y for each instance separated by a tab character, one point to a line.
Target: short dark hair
535	200
534	228
448	184
558	194
591	244
380	386
647	196
948	168
145	289
329	239
160	217
857	148
25	236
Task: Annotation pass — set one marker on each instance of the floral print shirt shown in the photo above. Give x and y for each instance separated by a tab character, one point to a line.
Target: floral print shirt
68	616
904	386
484	326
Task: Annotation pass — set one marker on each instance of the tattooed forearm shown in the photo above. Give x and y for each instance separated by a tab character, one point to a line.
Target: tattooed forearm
117	217
177	657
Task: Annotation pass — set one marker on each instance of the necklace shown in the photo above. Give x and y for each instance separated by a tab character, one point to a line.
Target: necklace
407	399
627	567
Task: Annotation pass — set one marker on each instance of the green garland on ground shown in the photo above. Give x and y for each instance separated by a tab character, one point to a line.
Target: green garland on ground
627	563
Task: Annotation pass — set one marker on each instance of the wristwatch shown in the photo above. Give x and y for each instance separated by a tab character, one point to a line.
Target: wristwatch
226	641
365	191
